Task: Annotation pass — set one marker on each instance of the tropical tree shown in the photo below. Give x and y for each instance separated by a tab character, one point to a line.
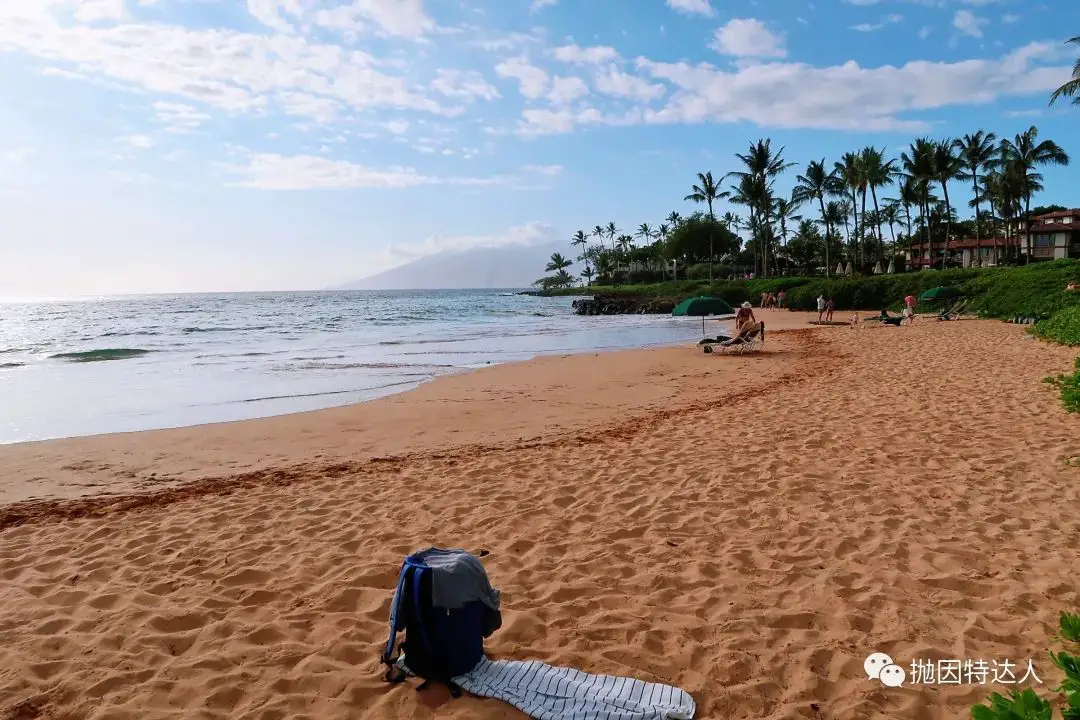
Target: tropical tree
706	191
806	246
947	166
848	172
673	219
1072	87
877	172
817	183
890	213
588	273
762	167
977	151
1028	153
599	233
785	210
835	213
611	231
557	263
918	168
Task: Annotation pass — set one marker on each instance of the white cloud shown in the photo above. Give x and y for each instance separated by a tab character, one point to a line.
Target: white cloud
398	127
220	68
968	23
97	10
548	170
467	86
1010	18
585	56
747	37
139	141
567	89
532	81
692	7
615	82
538	5
16	155
527	235
925	31
871	27
395	18
271	13
179	118
267	171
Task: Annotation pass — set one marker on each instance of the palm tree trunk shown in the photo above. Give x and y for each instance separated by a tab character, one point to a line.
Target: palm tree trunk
1027	225
910	245
825	222
948	215
975	189
877	214
855	223
861	254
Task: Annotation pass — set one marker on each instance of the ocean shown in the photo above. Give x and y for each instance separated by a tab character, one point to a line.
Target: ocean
117	364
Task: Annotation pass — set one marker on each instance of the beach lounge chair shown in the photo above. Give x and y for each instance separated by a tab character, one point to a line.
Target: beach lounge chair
746	341
887	319
954	312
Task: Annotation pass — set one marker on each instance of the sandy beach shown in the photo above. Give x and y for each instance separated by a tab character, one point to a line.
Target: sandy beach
746	528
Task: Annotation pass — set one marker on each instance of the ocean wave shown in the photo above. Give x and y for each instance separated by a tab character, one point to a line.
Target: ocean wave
224	329
328	392
119	333
101	355
11	365
368	366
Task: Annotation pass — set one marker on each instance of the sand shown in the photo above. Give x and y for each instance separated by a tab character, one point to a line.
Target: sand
747	528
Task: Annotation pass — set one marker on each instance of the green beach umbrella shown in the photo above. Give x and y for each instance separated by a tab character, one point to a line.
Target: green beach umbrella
941	293
702	306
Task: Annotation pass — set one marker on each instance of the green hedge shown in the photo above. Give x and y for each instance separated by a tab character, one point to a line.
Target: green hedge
1037	290
1063	327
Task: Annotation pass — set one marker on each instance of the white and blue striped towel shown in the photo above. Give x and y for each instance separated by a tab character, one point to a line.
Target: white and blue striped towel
550	693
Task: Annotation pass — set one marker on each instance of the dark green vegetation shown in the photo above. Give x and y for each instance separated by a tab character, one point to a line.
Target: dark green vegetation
836	212
1036	290
1063	326
1026	704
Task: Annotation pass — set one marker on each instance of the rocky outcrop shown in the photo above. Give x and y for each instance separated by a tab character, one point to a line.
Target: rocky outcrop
623	305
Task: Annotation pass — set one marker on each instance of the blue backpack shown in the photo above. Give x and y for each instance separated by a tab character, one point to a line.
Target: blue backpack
441	642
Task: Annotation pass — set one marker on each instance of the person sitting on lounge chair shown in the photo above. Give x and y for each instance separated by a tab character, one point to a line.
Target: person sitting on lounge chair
888	320
743	316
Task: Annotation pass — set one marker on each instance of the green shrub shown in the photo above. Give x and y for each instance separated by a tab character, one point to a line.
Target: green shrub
1036	290
1069	385
1063	327
1026	704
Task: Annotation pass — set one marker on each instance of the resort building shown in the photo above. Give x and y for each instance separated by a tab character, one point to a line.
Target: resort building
1054	236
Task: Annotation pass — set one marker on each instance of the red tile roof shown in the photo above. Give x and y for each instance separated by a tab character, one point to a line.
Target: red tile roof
1059	214
1055	227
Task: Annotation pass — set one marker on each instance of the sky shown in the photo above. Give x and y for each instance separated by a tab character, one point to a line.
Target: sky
217	145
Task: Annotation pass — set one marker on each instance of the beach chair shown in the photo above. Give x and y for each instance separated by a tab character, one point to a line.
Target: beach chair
954	312
745	342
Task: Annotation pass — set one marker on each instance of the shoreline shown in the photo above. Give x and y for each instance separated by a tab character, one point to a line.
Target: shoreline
163	459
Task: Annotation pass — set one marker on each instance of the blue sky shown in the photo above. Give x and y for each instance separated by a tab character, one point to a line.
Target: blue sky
197	145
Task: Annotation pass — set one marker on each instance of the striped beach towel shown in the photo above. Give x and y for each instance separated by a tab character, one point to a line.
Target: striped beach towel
550	693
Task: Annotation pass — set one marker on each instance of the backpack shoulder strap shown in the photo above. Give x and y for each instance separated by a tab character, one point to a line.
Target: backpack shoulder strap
396	619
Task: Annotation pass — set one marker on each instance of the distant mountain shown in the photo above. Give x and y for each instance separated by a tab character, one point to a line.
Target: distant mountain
511	266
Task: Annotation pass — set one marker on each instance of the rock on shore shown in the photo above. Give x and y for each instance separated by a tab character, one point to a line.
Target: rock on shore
623	305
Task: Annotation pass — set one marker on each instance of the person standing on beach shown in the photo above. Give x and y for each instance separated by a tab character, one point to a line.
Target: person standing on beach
764	300
829	307
820	307
780	298
910	301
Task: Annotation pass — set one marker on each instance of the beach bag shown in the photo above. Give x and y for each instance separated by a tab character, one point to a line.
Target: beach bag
443	640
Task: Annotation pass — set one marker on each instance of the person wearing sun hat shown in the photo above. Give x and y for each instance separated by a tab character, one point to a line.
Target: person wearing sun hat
744	315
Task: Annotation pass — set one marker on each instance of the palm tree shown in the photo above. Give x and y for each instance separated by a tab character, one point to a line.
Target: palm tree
645	231
580	238
890	213
877	173
1028	153
763	166
611	231
707	191
1072	87
977	151
849	176
835	213
588	273
909	195
918	164
599	232
786	212
947	166
557	263
816	183
674	219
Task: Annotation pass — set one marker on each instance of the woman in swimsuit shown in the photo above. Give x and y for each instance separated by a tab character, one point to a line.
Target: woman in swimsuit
744	315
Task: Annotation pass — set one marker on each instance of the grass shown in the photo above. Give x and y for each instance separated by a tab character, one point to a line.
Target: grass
1062	327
